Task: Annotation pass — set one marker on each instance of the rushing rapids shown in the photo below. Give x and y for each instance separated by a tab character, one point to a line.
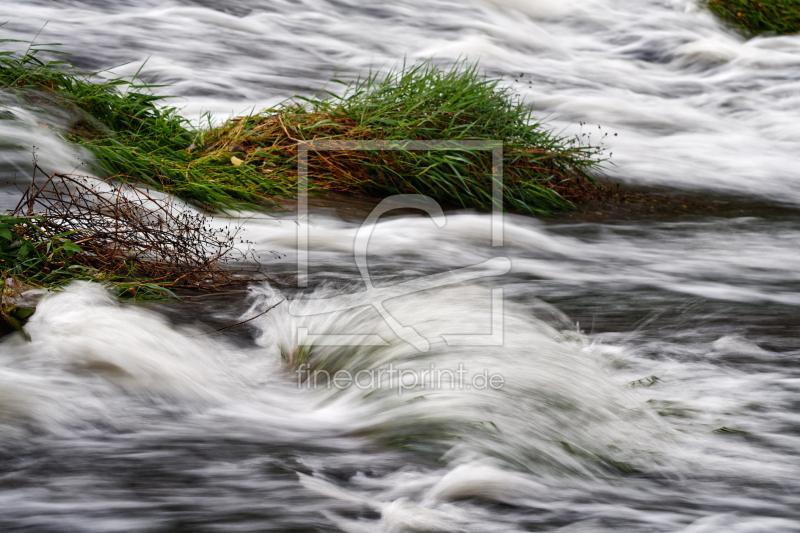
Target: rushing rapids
647	373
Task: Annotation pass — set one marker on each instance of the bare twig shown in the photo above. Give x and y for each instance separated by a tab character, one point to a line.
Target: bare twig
239	323
124	230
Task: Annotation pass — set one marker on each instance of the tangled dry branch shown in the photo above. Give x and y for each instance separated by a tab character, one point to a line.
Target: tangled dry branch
128	230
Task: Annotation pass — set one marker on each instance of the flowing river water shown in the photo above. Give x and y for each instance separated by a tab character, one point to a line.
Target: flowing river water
649	371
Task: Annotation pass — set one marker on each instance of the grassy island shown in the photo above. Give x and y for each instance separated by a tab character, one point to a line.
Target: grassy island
247	159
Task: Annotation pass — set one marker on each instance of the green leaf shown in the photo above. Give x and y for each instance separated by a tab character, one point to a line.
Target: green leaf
23	313
70	246
14	323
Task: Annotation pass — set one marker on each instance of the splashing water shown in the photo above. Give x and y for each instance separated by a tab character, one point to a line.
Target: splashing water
649	370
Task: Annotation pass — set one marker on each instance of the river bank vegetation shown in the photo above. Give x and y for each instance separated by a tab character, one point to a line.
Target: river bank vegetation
246	160
136	138
137	242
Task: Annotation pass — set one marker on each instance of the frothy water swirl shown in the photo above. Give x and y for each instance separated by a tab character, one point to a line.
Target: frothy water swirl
649	369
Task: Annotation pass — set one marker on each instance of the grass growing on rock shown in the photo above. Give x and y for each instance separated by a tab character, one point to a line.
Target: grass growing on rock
780	17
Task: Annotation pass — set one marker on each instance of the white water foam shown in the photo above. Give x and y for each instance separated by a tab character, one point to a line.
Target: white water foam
695	106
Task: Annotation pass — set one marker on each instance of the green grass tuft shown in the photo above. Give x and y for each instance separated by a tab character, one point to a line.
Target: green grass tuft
752	18
133	136
542	170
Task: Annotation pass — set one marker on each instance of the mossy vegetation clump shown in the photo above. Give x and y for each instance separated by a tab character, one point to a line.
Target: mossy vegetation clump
781	17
